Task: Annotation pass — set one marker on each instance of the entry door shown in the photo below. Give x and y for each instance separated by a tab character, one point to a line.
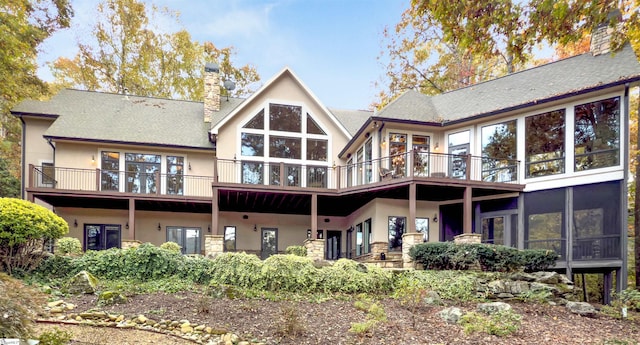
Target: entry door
332	245
499	229
269	242
101	236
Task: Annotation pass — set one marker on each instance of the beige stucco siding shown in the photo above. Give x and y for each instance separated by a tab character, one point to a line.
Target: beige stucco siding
37	149
92	216
284	90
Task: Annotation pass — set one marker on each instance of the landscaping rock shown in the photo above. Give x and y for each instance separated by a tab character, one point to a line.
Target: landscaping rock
111	298
83	282
432	298
581	308
493	307
450	315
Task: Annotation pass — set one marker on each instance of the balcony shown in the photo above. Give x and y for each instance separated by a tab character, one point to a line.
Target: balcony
433	167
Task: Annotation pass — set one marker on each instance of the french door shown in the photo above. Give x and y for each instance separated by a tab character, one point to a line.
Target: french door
101	236
269	242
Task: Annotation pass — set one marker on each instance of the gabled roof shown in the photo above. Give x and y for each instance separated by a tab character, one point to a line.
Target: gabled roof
285	72
552	81
116	118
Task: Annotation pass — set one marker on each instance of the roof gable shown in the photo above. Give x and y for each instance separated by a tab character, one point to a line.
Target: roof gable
264	91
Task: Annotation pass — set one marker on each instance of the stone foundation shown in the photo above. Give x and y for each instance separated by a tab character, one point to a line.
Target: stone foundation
315	248
213	245
467	239
126	244
378	248
408	241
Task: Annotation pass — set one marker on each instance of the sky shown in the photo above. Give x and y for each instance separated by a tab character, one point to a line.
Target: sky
331	45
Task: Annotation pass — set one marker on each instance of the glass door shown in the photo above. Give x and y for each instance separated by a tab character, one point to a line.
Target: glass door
101	236
269	242
332	245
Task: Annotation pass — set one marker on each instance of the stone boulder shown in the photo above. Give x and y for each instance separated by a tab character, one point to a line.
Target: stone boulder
581	308
83	282
493	307
111	298
451	315
432	298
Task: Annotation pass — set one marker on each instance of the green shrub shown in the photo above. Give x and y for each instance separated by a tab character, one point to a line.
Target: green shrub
24	226
502	323
450	285
348	276
55	337
68	245
289	273
172	247
238	269
197	269
296	250
489	257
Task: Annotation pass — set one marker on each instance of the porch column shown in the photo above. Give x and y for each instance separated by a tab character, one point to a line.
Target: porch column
314	215
412	208
215	209
132	219
467	217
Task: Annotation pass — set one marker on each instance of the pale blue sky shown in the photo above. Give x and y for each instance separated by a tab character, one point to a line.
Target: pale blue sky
331	45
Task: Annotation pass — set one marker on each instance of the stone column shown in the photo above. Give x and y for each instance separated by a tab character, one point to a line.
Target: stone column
213	245
408	241
378	248
467	239
315	248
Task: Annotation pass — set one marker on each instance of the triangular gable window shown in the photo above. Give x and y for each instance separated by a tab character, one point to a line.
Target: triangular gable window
312	126
257	122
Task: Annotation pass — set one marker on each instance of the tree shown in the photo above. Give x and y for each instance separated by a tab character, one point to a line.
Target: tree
23	228
130	55
9	184
24	25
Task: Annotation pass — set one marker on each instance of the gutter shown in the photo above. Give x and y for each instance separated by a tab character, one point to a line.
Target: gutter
55	138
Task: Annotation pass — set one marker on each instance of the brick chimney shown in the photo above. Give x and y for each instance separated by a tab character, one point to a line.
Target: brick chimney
211	90
601	36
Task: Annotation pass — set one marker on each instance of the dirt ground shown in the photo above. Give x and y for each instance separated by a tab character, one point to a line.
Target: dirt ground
328	322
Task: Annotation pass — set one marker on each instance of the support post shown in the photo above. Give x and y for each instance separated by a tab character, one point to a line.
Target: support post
215	169
30	181
215	212
132	219
97	180
314	214
412	208
467	226
158	182
468	167
282	174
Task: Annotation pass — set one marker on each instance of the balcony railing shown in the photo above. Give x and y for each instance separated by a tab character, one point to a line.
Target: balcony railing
94	180
599	247
408	164
411	164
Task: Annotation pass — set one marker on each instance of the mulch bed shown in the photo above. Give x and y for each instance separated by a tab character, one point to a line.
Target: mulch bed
328	322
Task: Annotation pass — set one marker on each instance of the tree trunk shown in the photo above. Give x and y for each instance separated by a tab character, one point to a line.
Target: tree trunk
636	203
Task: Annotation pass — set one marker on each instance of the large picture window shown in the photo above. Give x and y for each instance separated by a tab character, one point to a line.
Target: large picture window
286	118
397	152
252	173
397	227
597	134
420	146
285	147
141	172
187	238
252	145
175	177
499	152
544	141
229	238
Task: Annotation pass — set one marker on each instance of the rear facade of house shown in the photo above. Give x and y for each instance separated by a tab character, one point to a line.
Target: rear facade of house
536	159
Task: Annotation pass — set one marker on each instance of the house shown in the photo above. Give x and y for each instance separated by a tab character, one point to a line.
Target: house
535	159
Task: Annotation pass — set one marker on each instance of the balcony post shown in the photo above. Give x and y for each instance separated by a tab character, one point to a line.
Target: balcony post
412	208
30	180
337	177
97	180
410	163
467	225
314	214
214	211
281	174
132	219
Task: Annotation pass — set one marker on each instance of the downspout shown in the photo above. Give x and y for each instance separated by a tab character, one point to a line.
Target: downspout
621	279
54	151
22	157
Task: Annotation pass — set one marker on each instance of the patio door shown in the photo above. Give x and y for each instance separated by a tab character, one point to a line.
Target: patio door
332	245
269	242
101	236
458	161
499	229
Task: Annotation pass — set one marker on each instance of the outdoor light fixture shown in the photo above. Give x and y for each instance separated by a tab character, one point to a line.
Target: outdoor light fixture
159	227
327	220
93	159
244	216
435	218
75	223
308	233
209	228
126	226
436	146
189	165
383	144
255	227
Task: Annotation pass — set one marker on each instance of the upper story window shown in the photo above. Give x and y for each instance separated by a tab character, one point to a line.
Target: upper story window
175	177
544	143
499	144
110	173
281	133
141	172
597	134
458	151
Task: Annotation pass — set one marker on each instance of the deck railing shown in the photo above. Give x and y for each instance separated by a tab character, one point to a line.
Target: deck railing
412	164
596	247
94	180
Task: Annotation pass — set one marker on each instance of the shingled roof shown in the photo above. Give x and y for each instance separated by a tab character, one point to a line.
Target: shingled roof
562	78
